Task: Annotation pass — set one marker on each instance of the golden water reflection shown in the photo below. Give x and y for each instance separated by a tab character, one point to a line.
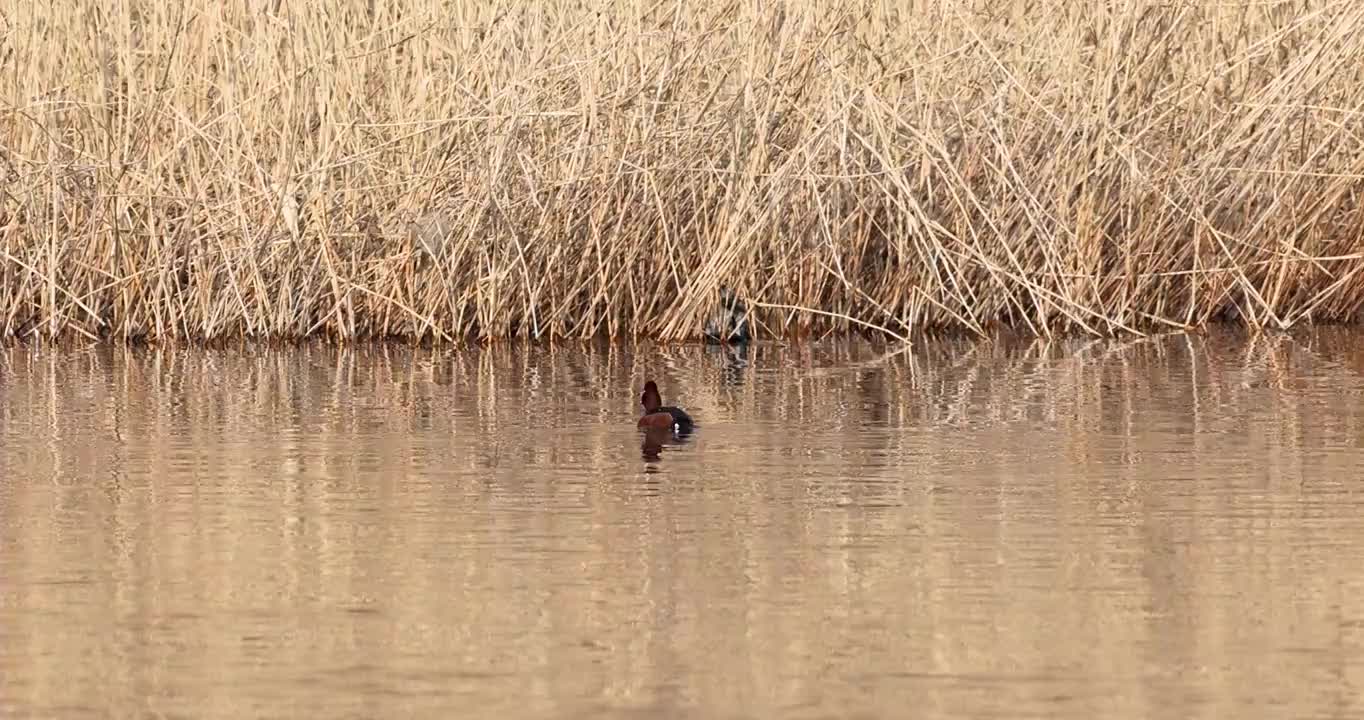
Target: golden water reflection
1167	527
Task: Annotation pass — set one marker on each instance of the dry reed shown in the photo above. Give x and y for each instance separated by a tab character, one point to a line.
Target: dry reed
575	168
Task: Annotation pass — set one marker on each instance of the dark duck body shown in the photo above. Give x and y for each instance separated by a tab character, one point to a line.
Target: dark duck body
658	415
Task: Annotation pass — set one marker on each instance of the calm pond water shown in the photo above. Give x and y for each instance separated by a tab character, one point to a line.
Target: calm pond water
1163	528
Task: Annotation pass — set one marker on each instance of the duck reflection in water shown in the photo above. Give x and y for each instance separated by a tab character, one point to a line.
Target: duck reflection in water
654	440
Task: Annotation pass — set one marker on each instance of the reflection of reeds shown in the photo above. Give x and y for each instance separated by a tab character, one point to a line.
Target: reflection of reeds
332	394
416	484
419	169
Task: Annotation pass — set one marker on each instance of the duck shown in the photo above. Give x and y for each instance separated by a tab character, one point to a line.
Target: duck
728	325
658	415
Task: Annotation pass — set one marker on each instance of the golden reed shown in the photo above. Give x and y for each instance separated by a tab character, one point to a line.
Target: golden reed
572	168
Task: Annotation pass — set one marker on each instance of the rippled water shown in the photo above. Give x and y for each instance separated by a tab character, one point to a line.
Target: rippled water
1170	527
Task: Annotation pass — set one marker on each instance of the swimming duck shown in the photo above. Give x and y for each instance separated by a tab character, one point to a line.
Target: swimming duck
658	415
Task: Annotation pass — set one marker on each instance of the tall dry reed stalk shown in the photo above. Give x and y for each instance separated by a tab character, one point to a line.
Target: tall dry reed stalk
576	168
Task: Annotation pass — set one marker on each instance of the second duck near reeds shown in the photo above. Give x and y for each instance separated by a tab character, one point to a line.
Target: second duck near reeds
728	325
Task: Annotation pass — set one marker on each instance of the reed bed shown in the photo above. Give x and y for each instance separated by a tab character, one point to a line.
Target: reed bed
568	168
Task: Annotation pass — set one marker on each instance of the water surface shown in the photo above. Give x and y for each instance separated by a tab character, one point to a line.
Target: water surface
1160	528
